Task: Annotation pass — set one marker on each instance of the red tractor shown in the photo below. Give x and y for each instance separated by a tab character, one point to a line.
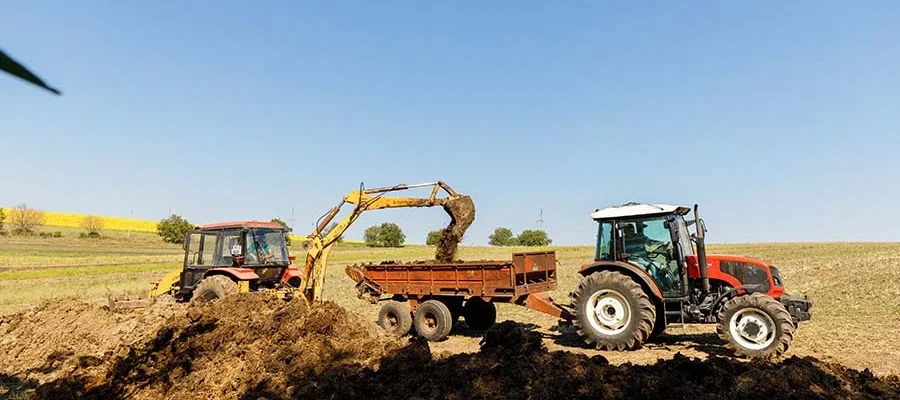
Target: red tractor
650	270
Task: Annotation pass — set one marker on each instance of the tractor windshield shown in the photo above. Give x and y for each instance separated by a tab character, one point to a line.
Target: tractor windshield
265	246
647	242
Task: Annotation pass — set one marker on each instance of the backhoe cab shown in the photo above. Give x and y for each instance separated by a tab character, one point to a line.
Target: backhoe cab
650	270
230	257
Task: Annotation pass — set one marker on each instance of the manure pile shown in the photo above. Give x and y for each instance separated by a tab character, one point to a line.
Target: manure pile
249	347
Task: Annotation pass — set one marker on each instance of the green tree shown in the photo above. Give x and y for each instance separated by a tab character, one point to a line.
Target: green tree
502	237
391	235
2	218
287	233
534	237
434	237
174	229
372	236
387	234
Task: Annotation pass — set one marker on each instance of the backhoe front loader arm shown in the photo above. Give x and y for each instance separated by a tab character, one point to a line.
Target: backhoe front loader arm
318	246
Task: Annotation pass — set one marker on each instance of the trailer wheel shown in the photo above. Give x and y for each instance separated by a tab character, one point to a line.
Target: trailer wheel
433	321
755	326
213	288
479	314
395	318
612	311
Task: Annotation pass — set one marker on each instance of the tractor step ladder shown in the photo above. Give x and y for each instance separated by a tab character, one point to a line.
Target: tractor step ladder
679	313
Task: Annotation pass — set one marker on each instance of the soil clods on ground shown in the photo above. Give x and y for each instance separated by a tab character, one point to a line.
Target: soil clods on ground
251	346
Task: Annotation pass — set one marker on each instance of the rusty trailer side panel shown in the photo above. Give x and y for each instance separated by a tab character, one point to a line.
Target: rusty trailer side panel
526	273
522	281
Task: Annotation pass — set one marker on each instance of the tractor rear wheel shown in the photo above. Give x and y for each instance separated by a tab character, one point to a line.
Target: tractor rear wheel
433	321
612	311
479	314
395	318
755	326
213	288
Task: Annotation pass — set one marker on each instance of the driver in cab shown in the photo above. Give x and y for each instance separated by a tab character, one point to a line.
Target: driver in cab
633	242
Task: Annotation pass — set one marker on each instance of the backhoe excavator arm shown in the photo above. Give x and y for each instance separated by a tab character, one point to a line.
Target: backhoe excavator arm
460	208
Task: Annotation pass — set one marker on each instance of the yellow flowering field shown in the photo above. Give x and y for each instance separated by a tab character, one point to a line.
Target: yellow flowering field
53	218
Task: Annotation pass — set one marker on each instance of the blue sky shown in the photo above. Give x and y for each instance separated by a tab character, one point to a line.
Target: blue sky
779	119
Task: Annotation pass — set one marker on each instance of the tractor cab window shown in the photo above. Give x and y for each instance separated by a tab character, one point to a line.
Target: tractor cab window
230	248
265	246
201	249
604	236
648	244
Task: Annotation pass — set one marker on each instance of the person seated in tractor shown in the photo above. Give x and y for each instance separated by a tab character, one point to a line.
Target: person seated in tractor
633	242
258	250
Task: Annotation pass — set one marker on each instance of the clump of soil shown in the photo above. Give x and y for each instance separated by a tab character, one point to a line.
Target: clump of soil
58	338
462	214
235	347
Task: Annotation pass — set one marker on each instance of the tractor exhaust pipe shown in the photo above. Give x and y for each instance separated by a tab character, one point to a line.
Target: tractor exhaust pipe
700	238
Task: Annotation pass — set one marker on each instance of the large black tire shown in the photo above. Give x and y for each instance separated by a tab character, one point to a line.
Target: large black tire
395	318
213	288
433	321
455	304
755	326
479	314
626	316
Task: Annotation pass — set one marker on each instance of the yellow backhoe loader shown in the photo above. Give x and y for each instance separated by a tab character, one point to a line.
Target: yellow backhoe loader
252	256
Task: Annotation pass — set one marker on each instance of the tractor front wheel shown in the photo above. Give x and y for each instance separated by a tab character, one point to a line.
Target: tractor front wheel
612	311
755	326
213	288
395	318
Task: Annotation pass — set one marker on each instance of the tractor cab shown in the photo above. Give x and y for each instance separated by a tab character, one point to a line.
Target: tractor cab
248	251
652	237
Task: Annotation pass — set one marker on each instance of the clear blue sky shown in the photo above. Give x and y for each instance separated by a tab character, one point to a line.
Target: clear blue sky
781	120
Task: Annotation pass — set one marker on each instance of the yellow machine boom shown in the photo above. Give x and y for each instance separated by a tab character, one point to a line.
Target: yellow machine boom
460	208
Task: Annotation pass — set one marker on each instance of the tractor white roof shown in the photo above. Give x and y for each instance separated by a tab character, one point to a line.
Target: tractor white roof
637	209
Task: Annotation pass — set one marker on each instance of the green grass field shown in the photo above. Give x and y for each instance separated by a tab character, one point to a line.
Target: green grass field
854	285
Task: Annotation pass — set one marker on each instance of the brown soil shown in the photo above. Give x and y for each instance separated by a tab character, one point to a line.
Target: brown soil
462	214
249	347
58	338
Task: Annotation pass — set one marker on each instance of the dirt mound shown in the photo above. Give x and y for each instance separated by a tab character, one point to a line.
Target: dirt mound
462	214
241	345
58	338
250	346
513	364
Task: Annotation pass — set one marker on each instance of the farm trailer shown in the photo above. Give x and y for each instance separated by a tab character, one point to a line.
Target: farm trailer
430	296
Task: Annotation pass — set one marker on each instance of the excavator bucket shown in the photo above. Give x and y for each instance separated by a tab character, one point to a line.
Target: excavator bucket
462	214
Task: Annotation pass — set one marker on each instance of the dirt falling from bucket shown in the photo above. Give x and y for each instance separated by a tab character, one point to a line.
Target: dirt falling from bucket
462	214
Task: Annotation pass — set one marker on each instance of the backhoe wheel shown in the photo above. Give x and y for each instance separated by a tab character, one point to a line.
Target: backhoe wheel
755	326
433	321
213	288
479	314
612	311
395	318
